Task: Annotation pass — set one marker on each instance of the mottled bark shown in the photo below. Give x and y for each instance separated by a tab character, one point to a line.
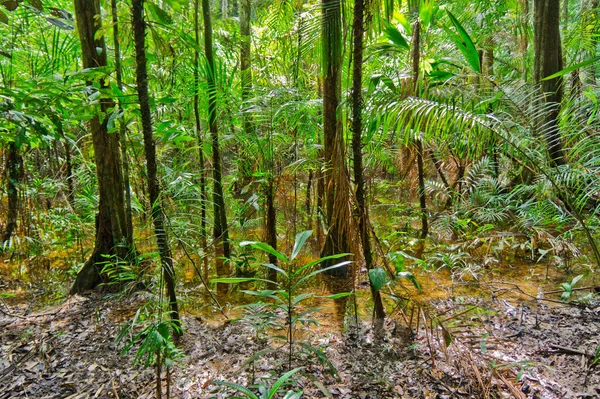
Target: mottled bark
336	196
111	229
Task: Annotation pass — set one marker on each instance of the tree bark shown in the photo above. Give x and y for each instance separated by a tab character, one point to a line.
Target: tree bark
199	138
122	127
139	34
547	61
271	227
416	59
336	177
220	233
14	169
357	108
111	229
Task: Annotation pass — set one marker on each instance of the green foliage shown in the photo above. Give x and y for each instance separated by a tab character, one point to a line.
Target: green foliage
567	288
463	42
265	391
288	295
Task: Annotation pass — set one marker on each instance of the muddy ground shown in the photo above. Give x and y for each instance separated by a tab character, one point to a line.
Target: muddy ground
499	346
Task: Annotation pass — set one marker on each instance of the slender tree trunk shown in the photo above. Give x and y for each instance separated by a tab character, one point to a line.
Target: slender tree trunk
69	172
357	107
416	57
14	168
245	56
271	226
547	61
220	233
139	34
336	200
122	127
199	138
307	201
111	229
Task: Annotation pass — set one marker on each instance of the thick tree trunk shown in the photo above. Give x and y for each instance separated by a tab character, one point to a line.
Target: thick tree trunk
111	228
336	178
200	139
14	169
220	233
547	61
139	33
357	108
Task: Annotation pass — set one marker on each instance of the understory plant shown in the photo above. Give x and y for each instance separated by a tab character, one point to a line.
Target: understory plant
283	298
265	391
151	335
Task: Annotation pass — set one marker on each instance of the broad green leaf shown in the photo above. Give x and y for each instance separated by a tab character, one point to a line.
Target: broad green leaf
400	17
301	297
299	242
236	280
378	278
237	387
37	4
394	35
282	381
572	68
3	17
575	280
323	259
336	296
464	43
264	247
427	11
10	5
410	277
161	15
311	275
277	269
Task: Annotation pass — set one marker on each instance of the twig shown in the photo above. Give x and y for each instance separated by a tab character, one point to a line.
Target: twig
570	351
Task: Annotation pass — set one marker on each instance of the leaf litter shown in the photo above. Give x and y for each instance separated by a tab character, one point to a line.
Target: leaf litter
458	348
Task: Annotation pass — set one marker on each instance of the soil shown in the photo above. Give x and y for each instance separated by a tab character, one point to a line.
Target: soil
504	345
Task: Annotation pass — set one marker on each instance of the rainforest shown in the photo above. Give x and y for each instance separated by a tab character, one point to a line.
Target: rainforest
299	199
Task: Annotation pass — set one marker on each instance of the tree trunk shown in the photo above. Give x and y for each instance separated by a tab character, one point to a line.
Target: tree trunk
199	138
139	34
416	57
221	236
357	108
111	229
271	227
245	55
336	178
14	168
547	61
122	127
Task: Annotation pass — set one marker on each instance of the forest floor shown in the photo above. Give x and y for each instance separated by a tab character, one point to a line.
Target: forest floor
498	344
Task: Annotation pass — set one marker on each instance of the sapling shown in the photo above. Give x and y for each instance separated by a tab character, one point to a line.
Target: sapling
287	294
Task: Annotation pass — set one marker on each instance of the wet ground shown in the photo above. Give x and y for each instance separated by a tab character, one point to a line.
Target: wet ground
500	343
